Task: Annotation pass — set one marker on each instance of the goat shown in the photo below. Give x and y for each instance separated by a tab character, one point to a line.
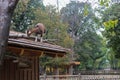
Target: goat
38	29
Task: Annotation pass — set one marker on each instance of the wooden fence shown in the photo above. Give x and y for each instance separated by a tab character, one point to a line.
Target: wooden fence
80	77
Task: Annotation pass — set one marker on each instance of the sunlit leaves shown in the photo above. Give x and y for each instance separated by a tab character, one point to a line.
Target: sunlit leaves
104	2
110	24
86	12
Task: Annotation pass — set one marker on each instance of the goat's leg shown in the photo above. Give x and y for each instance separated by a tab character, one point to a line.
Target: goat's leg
36	39
41	38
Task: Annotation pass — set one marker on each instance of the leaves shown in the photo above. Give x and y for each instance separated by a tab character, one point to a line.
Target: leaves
112	28
104	2
86	10
22	16
82	28
110	24
53	62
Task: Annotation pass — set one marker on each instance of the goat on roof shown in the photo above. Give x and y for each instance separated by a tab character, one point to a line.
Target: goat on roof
39	30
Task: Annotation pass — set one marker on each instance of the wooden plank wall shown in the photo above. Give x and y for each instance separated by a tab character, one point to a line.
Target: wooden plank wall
11	71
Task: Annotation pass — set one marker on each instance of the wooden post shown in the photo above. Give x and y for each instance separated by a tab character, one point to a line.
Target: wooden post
6	10
57	68
22	52
45	76
71	70
79	76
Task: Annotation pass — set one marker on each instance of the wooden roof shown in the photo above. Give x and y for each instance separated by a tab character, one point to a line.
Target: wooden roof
20	40
75	63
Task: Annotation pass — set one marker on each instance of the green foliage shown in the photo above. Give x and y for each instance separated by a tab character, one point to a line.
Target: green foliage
45	60
110	24
51	62
78	15
90	50
22	16
112	28
86	12
82	28
25	14
104	2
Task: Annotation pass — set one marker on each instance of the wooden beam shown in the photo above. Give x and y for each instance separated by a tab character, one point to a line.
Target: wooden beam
22	52
42	53
20	59
56	55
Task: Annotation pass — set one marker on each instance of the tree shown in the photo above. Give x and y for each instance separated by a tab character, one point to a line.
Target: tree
25	14
111	21
89	47
6	10
83	29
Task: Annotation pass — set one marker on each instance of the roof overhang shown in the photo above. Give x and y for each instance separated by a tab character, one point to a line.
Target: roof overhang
22	45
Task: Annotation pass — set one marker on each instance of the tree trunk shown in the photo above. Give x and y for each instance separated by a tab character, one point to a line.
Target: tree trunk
6	10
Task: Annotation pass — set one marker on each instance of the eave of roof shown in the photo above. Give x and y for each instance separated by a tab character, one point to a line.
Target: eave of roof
36	45
21	40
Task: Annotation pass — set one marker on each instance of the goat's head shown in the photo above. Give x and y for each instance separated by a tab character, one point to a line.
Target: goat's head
28	32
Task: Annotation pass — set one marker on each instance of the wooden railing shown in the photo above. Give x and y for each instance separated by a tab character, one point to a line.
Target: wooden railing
86	75
59	77
99	72
80	77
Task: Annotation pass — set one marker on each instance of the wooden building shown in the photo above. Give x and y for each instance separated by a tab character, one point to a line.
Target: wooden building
21	61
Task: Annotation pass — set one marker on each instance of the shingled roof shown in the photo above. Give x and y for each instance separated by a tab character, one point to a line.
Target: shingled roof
21	40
